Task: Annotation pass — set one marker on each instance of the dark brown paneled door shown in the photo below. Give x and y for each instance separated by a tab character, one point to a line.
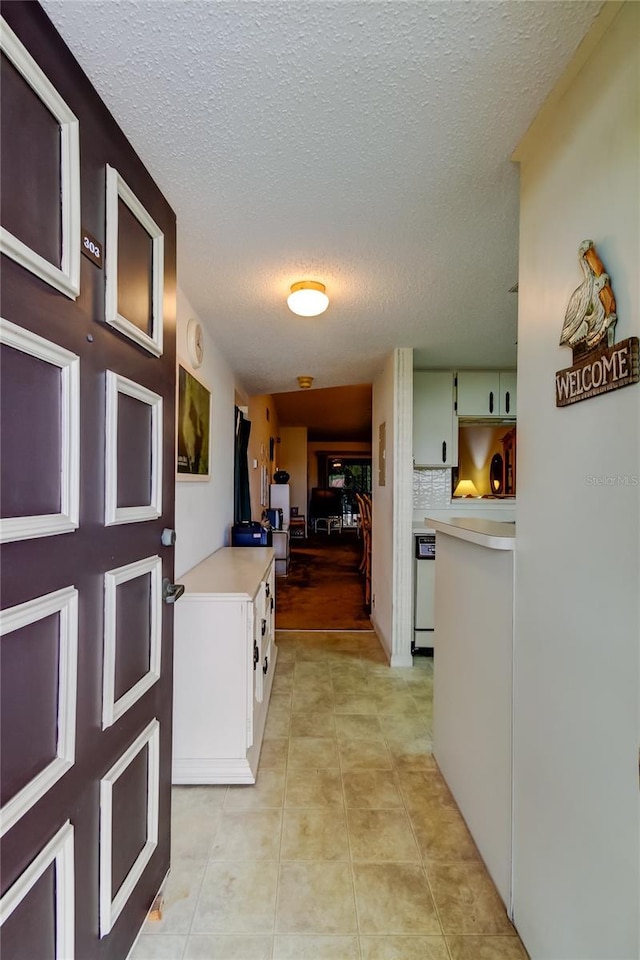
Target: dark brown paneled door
87	381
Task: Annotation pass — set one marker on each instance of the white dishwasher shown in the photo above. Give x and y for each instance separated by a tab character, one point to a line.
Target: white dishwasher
424	575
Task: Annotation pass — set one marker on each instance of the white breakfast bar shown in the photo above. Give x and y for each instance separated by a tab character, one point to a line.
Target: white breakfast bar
472	720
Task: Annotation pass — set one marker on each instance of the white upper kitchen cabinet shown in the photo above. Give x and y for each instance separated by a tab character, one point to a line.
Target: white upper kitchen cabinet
435	429
508	397
486	393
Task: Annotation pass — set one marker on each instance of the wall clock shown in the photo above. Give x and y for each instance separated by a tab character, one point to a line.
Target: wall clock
195	342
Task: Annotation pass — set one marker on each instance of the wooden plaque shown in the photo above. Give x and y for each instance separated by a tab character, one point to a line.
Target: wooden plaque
598	371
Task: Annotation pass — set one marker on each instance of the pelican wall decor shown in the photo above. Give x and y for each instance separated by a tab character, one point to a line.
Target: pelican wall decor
589	325
591	312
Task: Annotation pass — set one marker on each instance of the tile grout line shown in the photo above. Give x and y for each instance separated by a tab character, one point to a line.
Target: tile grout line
189	932
397	768
284	799
346	823
422	863
426	874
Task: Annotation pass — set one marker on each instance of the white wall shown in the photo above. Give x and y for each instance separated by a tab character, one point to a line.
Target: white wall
382	506
204	509
392	560
577	626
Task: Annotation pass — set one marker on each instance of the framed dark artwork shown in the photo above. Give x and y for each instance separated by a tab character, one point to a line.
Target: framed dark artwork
194	427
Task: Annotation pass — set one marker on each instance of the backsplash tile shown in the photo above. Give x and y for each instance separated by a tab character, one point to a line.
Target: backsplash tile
431	488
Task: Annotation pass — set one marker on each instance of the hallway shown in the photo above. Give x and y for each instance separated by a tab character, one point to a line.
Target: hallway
324	589
349	846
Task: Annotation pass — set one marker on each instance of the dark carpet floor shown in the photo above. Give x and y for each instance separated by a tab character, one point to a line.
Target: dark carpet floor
324	590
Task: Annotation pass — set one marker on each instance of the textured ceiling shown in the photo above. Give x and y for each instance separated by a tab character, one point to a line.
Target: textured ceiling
364	143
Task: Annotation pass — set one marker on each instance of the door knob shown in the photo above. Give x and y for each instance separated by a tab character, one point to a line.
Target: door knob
171	591
168	537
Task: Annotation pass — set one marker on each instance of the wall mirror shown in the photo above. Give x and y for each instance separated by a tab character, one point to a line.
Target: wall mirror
496	474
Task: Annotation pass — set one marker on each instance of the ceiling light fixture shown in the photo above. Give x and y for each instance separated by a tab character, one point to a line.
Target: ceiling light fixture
308	298
305	382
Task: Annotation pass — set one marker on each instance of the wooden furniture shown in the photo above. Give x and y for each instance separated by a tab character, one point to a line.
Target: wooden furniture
364	506
224	660
509	456
298	527
435	429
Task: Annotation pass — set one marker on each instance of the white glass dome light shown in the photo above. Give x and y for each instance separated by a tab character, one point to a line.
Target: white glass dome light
308	298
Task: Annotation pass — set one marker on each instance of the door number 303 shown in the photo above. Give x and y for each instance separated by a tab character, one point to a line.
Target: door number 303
92	248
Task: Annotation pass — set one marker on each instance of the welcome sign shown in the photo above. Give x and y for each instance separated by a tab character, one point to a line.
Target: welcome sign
599	365
599	372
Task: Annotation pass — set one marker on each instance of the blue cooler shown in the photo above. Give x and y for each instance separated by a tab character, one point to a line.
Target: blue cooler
251	534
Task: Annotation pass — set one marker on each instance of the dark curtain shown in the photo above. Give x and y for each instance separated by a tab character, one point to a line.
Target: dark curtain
242	496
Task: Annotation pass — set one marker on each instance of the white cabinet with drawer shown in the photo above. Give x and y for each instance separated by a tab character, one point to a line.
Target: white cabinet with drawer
224	661
435	431
486	393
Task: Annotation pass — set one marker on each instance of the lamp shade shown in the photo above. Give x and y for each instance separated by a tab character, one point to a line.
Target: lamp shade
466	488
308	298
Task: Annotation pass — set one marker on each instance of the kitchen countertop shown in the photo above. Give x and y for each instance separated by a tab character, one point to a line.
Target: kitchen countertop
494	534
422	527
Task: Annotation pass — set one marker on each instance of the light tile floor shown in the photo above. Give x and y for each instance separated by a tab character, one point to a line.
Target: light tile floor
348	847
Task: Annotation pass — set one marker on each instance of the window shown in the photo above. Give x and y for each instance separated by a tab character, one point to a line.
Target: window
351	475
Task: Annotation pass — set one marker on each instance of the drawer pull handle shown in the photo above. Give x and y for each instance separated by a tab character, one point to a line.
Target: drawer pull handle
444	451
256	654
507	401
491	401
266	665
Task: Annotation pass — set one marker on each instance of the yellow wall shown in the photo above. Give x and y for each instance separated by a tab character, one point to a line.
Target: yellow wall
292	457
264	425
476	447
